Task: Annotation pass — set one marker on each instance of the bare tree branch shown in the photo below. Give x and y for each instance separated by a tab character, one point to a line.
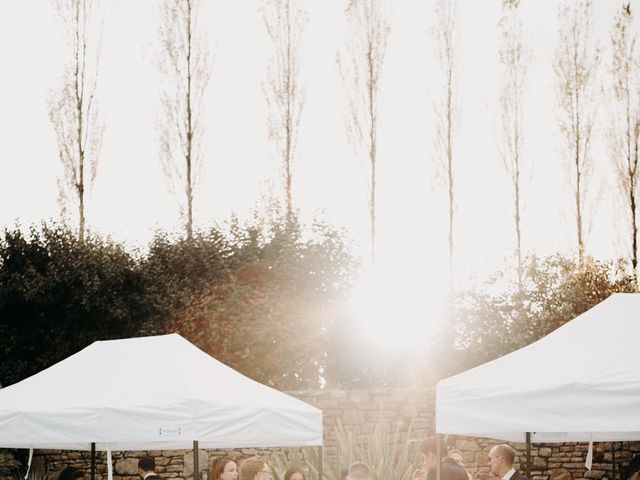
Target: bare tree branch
73	106
360	70
283	21
446	36
576	68
624	125
185	61
514	58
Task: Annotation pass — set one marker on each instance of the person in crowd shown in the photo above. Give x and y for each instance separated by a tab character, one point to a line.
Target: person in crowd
147	468
429	459
451	470
344	473
70	473
255	468
359	471
633	470
223	469
239	459
501	458
456	456
294	473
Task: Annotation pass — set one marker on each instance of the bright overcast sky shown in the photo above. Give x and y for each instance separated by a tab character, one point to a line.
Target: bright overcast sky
130	199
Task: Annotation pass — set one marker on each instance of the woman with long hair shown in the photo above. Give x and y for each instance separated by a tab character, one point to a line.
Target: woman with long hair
223	469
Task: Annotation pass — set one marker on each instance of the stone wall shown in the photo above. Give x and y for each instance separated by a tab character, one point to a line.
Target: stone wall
8	462
174	464
411	410
564	461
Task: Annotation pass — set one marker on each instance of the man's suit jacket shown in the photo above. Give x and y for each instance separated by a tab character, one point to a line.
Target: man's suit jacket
449	470
518	476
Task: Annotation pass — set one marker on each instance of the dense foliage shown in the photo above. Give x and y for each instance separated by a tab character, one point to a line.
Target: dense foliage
58	294
255	296
265	299
555	289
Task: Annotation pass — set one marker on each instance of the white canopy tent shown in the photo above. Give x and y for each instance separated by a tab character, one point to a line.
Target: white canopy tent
150	393
580	383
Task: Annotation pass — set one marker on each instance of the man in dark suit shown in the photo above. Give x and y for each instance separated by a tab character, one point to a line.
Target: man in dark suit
501	458
70	473
633	470
147	467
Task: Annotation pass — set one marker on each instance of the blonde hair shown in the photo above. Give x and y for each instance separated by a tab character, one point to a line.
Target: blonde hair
250	468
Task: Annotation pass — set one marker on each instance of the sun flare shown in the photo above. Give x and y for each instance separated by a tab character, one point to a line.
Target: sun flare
397	309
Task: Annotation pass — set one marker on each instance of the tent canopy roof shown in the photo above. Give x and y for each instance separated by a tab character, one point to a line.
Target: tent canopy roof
150	393
579	383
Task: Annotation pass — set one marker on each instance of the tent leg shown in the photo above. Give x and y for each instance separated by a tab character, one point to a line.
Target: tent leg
196	461
93	461
320	462
439	455
528	454
613	460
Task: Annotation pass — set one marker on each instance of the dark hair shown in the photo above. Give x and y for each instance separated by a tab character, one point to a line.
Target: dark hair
218	467
147	463
344	472
70	473
634	466
291	470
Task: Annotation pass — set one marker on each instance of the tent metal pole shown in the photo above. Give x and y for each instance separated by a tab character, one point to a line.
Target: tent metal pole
439	455
613	460
528	454
196	461
320	462
93	461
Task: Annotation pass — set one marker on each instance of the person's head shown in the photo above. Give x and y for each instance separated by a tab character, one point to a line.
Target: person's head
501	458
294	473
70	473
430	452
456	456
255	468
146	465
344	473
223	469
240	459
359	471
633	470
452	470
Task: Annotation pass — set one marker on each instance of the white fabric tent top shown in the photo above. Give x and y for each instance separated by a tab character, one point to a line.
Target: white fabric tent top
150	393
579	383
